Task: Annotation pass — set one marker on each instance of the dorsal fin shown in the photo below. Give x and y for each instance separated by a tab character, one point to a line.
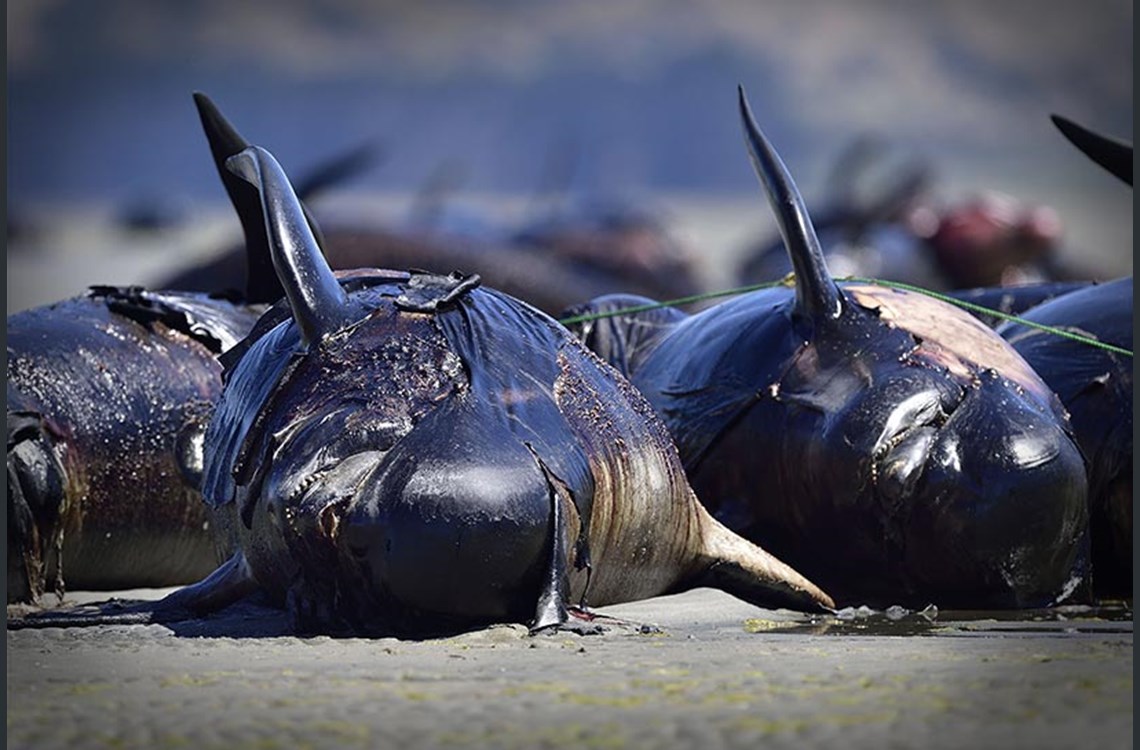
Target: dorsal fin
261	285
852	164
817	296
337	169
1112	154
441	185
909	182
319	304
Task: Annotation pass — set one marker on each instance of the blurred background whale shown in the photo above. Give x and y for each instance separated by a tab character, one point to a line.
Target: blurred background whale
543	115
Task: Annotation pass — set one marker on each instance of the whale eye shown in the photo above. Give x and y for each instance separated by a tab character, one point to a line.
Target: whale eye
900	469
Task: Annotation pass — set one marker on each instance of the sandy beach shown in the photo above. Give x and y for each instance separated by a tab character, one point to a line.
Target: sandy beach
695	670
708	672
489	121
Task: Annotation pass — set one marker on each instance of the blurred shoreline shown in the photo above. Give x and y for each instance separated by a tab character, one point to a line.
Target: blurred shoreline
64	248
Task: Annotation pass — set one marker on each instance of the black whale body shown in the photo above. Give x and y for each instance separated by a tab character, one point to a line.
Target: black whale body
409	453
109	394
1093	382
1095	385
887	444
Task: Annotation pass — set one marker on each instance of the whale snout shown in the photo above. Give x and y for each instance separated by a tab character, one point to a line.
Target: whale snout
431	539
999	514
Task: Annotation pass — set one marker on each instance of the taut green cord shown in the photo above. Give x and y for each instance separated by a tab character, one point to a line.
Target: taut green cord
790	279
673	302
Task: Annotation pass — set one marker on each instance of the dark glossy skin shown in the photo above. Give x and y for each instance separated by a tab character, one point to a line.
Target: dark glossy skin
1012	300
408	453
622	336
414	465
1113	154
883	251
412	454
864	231
109	395
886	443
1095	385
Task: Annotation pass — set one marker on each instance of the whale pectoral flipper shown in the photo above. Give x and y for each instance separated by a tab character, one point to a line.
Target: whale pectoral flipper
230	582
551	609
552	613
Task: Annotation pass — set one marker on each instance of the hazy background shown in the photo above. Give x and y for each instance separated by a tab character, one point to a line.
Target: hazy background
630	101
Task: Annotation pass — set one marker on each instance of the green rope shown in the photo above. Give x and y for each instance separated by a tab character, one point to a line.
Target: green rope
790	280
585	317
998	314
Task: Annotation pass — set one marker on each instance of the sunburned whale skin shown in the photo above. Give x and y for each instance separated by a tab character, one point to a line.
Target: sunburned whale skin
889	445
410	453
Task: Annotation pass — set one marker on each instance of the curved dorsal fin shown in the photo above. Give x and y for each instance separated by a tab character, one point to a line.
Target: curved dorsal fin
261	283
1112	154
852	162
817	296
319	304
337	169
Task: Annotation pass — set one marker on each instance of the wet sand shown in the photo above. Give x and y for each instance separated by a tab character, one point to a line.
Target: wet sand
696	670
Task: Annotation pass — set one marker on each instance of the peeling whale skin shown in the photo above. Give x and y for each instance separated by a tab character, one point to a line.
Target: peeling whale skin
888	445
410	454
